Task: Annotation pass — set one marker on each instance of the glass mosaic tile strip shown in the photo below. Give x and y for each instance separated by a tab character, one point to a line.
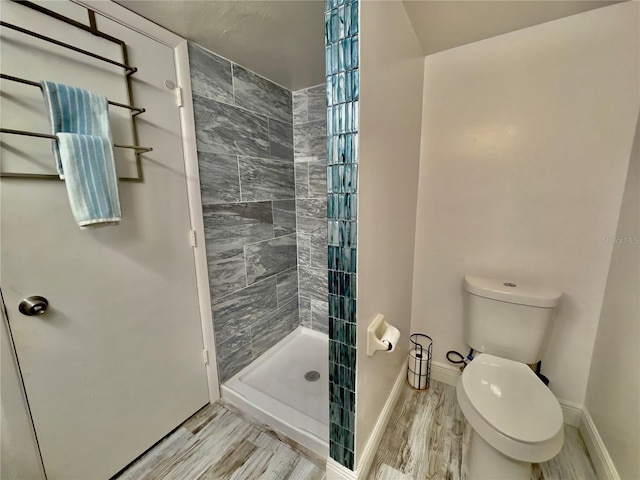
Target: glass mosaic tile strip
341	206
342	94
342	284
342	259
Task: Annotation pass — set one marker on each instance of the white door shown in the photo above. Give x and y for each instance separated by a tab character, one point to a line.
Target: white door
116	362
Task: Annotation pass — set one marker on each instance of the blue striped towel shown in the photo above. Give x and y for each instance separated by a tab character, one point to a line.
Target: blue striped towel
84	153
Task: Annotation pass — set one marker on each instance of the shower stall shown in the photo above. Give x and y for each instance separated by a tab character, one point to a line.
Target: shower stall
262	164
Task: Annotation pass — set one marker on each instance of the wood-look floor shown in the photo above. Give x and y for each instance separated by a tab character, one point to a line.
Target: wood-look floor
427	438
221	443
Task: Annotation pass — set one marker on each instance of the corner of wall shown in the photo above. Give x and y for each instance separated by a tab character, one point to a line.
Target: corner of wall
390	117
612	395
602	462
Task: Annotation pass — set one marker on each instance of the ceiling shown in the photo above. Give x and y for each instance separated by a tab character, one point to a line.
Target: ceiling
441	25
283	39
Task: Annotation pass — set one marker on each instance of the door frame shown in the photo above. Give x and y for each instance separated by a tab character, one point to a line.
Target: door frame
132	20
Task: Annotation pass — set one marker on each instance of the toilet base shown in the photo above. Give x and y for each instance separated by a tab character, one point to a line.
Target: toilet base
487	463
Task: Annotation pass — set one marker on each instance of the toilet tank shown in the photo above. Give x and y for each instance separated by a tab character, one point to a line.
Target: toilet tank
508	318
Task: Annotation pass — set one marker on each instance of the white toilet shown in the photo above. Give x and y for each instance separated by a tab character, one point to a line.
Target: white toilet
516	419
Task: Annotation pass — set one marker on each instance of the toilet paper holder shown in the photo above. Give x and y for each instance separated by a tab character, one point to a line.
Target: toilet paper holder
381	336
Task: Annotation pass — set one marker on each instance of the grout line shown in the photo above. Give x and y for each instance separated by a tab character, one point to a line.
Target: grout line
277	159
295	210
246	274
217	300
257	74
309	250
309	88
269	239
269	135
250	341
277	290
233	85
239	178
297	256
240	107
292	107
313	121
254	201
288	270
273	220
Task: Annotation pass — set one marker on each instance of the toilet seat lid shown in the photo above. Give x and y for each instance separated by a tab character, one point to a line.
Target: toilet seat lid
510	397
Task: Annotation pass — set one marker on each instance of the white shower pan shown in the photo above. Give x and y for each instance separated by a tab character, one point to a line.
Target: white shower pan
273	388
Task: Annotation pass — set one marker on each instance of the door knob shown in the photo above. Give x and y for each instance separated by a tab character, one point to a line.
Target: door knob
33	305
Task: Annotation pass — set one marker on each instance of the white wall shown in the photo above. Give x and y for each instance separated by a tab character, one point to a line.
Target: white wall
613	394
525	147
391	70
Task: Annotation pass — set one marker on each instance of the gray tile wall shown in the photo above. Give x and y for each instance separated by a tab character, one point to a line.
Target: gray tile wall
310	154
244	135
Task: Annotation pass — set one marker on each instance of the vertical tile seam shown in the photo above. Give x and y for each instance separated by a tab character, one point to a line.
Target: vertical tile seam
273	222
293	140
269	137
233	84
308	180
306	195
239	178
246	275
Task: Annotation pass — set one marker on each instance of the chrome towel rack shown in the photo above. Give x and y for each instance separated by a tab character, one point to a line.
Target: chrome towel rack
134	110
129	70
53	137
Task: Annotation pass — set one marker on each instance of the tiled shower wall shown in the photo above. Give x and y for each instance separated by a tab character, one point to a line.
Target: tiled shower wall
342	81
244	134
310	154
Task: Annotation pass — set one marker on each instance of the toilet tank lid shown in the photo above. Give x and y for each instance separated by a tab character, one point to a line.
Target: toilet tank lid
512	291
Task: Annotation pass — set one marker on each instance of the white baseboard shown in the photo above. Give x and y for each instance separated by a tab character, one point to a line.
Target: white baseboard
366	459
335	471
600	457
572	412
449	374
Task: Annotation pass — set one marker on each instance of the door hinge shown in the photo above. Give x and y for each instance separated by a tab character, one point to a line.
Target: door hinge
179	95
205	356
192	238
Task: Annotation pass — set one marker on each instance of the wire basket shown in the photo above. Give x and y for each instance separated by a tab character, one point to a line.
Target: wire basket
419	371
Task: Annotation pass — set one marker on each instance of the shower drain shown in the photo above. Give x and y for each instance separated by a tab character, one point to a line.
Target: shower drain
312	376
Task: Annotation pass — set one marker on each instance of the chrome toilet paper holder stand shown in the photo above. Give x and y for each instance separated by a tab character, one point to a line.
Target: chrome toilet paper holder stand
375	333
